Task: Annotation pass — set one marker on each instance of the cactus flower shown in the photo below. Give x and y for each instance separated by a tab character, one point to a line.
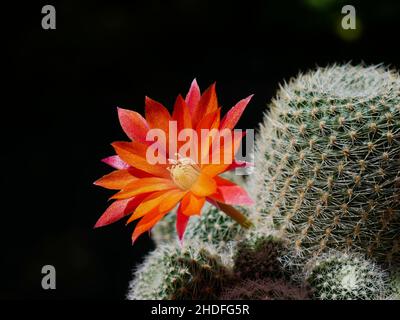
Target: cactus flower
147	190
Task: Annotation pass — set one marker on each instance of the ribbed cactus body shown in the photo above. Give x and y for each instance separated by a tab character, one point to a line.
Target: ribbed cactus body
327	162
340	276
174	273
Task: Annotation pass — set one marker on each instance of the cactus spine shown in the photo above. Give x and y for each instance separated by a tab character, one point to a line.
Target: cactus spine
342	276
175	273
328	159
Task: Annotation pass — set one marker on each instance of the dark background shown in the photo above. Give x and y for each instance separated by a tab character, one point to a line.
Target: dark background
60	98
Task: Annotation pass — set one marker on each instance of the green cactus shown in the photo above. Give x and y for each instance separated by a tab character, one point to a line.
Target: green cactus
165	230
214	227
172	272
327	163
265	289
258	258
342	276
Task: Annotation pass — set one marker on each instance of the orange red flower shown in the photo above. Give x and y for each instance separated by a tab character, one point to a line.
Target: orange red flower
148	191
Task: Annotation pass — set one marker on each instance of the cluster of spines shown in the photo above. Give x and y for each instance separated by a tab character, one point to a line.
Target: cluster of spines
165	230
214	227
330	163
181	273
343	276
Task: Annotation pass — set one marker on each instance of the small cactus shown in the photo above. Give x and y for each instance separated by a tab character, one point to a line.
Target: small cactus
342	276
171	272
327	163
266	289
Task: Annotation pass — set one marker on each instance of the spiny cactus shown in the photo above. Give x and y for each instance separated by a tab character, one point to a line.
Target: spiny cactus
165	230
266	289
395	285
172	272
342	276
214	227
258	258
327	163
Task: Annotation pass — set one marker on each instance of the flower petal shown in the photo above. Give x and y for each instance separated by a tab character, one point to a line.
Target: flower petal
157	115
144	185
157	200
193	96
223	158
208	122
192	204
150	219
115	180
208	103
116	162
134	153
181	222
146	223
239	164
230	193
233	115
133	124
204	185
181	114
117	210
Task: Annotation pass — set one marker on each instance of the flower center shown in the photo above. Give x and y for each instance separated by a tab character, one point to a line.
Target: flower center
184	172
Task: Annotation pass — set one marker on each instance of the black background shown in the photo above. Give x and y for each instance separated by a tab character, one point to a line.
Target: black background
60	98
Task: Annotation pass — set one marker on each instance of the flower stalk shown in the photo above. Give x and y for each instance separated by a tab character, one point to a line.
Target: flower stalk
235	215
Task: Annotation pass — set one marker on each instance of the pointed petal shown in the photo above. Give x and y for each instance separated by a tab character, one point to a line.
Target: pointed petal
230	193
233	115
181	222
193	96
208	122
224	157
116	162
144	185
181	114
204	185
208	103
157	115
133	124
192	204
146	223
117	210
116	180
161	200
134	153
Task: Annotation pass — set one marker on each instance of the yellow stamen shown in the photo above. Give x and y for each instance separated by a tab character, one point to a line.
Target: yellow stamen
184	172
